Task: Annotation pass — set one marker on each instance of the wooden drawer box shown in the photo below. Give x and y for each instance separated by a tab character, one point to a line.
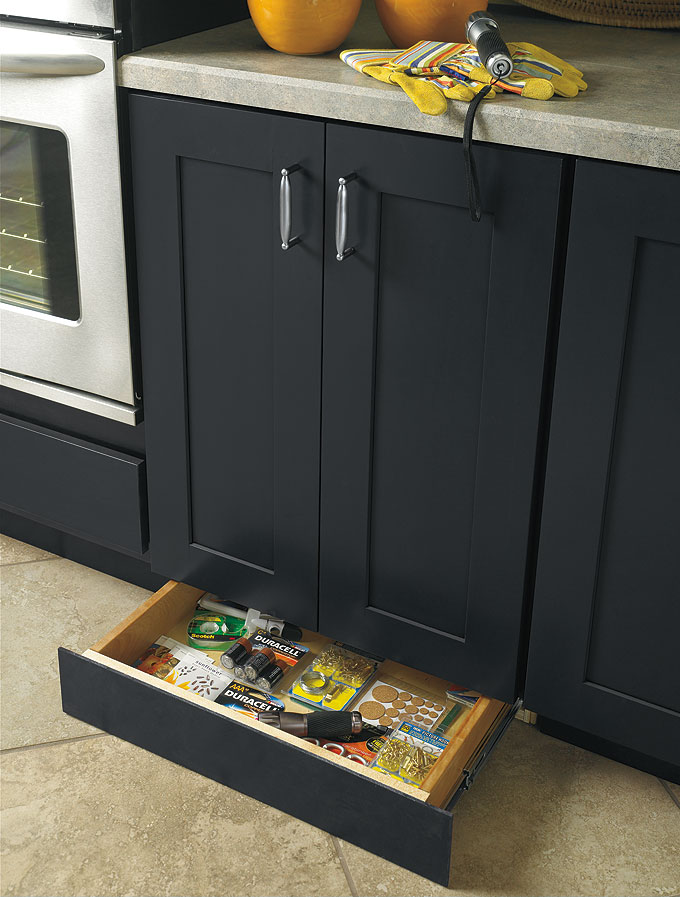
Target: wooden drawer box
409	825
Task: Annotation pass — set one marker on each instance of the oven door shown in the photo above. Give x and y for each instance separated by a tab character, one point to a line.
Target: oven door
64	322
99	13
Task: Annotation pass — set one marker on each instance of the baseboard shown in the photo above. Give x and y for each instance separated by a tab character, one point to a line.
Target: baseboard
136	570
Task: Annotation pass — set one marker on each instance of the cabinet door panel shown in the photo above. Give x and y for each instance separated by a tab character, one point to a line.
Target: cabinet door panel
604	639
231	326
228	312
427	400
434	342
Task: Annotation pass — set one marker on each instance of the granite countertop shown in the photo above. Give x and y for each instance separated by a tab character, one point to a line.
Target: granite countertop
630	112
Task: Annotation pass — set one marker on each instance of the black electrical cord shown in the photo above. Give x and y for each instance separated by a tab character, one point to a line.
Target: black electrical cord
471	177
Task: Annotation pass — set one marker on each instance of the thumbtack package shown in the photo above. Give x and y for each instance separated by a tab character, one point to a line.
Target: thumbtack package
409	753
334	678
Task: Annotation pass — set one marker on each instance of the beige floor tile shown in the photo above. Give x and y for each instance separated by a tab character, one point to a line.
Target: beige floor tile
545	817
13	552
46	604
101	817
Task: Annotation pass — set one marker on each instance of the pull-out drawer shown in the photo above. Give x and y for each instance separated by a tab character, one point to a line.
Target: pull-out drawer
409	825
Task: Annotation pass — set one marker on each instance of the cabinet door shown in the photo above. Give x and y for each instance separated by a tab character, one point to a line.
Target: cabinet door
231	332
434	342
604	636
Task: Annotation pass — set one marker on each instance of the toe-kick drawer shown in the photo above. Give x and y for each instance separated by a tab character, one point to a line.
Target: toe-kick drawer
409	825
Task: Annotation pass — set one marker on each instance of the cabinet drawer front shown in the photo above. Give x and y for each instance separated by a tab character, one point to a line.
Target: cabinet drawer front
401	829
73	484
231	347
406	825
434	346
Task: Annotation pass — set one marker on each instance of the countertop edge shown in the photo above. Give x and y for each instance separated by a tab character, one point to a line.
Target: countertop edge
382	106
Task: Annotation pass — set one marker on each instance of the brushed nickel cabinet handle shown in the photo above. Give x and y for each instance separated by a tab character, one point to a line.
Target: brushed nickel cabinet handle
286	209
341	216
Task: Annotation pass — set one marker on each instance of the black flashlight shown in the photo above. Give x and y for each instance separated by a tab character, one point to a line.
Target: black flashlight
483	33
319	724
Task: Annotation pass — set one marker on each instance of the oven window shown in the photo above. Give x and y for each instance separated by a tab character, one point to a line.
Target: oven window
37	249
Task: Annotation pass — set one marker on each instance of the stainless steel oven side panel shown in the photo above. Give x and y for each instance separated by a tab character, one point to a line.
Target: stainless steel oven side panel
80	12
93	354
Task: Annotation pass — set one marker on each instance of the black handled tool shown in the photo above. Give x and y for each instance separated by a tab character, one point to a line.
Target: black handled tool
482	31
319	724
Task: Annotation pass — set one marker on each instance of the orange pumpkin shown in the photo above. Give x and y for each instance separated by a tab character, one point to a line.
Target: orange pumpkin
304	27
409	21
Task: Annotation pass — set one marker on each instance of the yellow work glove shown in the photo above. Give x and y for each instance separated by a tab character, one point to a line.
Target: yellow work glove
429	94
537	74
425	94
429	88
430	72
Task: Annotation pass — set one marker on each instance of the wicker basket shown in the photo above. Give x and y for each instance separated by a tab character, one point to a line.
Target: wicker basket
625	13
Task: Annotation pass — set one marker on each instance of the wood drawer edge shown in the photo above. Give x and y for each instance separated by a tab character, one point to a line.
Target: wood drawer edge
138	630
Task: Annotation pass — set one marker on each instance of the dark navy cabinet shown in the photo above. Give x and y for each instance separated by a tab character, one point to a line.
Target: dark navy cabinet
604	653
434	346
231	348
390	506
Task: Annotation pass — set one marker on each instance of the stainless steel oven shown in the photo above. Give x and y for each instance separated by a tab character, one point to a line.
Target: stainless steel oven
100	13
64	323
65	328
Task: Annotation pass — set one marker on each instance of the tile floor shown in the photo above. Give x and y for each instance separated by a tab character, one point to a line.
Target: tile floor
86	814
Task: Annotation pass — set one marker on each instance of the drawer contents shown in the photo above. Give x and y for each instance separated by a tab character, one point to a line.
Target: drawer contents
389	702
272	675
362	748
262	659
341	702
241	621
247	700
462	695
410	753
209	631
317	724
237	654
256	664
455	714
334	679
184	667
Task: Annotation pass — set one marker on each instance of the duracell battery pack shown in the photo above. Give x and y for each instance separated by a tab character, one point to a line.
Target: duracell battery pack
240	697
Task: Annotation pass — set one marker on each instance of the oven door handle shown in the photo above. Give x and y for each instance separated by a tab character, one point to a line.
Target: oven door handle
51	64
